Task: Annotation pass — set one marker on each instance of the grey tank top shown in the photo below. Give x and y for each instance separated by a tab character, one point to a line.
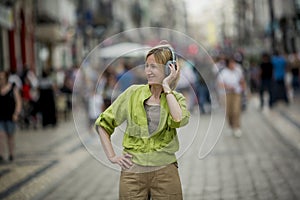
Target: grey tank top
153	117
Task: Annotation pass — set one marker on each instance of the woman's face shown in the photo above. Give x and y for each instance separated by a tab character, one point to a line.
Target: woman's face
154	71
231	64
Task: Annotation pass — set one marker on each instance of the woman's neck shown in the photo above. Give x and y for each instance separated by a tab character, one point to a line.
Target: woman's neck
156	90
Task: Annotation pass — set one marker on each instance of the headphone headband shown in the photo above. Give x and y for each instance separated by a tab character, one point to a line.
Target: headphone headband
173	54
173	58
171	61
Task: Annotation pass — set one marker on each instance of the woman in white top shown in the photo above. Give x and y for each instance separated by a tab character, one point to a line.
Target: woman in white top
232	80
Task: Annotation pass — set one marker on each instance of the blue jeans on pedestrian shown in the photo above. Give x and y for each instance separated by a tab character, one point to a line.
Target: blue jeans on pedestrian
202	95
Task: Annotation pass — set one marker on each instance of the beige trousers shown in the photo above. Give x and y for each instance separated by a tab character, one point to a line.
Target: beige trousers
161	184
233	110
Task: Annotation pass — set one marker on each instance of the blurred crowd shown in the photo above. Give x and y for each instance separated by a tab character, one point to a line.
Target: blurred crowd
272	77
277	75
46	99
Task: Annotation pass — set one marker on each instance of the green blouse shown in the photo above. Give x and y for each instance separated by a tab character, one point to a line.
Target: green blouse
148	150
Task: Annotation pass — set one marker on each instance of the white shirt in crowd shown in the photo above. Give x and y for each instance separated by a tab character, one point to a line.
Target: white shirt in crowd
95	106
232	78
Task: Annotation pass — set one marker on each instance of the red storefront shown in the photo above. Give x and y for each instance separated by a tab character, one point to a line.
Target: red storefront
17	38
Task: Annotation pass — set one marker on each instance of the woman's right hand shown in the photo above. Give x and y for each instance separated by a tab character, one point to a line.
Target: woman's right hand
171	79
124	161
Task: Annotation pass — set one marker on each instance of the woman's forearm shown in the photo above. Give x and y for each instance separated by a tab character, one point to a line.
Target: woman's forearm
106	143
123	161
175	109
18	99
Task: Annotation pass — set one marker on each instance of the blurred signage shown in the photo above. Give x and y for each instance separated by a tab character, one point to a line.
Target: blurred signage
6	17
193	49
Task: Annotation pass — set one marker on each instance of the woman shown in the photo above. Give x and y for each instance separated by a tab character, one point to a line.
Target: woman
47	100
153	112
232	80
10	106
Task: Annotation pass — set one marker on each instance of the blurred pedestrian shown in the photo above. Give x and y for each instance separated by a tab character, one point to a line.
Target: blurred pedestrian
47	100
10	106
232	80
110	92
202	92
67	91
266	79
254	76
126	78
295	70
30	96
239	62
96	105
186	82
15	78
220	65
153	112
279	73
31	78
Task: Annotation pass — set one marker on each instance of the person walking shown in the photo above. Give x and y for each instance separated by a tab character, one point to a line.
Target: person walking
15	78
126	78
232	80
47	102
153	112
202	93
10	106
279	73
95	106
295	71
266	79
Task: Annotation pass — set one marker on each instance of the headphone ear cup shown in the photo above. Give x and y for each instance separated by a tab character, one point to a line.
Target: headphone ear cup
167	68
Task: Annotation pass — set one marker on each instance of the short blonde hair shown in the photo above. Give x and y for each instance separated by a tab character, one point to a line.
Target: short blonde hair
161	53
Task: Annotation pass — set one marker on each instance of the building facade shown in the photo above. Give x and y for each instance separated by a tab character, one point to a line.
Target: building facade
17	35
54	33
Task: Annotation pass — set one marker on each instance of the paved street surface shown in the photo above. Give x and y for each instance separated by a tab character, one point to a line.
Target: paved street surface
263	164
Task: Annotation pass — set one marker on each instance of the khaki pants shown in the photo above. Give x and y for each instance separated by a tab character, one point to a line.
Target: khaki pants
233	110
162	184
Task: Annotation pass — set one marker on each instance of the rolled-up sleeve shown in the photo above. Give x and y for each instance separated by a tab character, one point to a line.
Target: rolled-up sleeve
115	114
